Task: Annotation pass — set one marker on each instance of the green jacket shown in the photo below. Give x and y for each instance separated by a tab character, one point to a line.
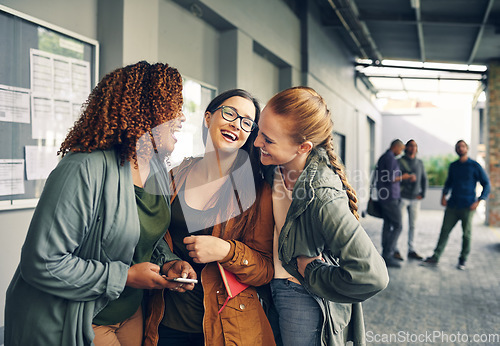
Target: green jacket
319	222
77	252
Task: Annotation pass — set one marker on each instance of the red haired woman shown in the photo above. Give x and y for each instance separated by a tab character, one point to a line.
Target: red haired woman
325	263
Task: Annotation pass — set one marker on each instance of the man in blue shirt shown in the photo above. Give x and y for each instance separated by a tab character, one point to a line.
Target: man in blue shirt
463	176
388	178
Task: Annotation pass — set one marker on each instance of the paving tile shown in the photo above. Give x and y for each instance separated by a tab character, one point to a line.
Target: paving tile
438	305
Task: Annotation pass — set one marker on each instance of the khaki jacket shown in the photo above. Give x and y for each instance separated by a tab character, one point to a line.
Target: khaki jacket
319	222
242	321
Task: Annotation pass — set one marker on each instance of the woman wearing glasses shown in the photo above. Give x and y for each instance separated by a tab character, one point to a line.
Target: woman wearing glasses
221	214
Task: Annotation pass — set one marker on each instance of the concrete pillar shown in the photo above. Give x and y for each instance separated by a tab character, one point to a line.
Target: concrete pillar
493	149
235	57
140	31
110	35
127	31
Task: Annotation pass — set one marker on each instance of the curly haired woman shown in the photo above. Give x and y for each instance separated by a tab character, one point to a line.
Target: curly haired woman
87	255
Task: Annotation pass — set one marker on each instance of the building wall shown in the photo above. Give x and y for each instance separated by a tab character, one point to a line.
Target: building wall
76	16
255	45
436	130
493	143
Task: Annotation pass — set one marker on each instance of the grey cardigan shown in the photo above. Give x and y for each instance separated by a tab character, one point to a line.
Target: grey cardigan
77	252
319	222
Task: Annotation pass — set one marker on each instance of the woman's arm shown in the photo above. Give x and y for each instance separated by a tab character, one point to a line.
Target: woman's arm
361	271
252	260
162	253
58	229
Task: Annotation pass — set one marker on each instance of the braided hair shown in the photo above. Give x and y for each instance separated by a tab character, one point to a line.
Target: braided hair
312	123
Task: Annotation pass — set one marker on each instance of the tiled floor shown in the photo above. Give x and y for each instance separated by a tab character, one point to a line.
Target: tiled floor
442	305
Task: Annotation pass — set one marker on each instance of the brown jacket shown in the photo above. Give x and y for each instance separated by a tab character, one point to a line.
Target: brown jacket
243	321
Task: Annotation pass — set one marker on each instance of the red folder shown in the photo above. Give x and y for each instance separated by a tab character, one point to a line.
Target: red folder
233	285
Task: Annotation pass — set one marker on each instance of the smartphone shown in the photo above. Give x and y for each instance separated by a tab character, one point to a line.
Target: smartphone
183	280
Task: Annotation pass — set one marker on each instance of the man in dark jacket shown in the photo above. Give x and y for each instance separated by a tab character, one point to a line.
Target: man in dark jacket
388	178
412	192
463	176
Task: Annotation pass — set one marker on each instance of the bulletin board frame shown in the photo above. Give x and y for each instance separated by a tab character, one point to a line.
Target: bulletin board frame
46	75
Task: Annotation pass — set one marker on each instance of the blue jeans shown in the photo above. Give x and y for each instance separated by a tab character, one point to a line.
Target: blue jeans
413	208
299	315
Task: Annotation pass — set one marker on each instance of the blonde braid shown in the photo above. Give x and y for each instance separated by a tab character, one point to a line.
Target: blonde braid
339	169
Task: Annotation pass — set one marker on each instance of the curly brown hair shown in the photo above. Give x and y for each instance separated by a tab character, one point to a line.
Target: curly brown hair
126	103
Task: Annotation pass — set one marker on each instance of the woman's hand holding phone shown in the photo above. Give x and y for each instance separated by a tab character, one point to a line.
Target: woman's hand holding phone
179	276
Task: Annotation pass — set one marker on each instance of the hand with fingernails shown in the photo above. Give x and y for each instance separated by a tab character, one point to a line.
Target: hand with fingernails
178	269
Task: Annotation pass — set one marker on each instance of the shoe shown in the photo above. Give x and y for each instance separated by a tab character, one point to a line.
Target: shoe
398	256
392	263
461	264
414	255
433	261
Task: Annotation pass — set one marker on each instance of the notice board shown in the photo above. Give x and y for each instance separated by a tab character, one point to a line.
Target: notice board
46	75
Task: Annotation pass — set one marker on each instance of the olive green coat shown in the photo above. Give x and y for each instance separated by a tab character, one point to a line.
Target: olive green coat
319	222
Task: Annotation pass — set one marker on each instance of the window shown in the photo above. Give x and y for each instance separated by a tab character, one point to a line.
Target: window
196	96
339	145
371	143
481	125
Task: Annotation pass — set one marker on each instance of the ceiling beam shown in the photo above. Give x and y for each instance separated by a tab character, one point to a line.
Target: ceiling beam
422	68
349	17
422	78
400	21
416	5
479	36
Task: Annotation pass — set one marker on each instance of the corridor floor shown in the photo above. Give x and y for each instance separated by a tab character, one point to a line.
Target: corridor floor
442	305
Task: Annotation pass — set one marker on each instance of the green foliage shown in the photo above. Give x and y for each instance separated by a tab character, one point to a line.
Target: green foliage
190	106
436	168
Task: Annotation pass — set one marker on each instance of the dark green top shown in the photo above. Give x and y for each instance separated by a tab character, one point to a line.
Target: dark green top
154	218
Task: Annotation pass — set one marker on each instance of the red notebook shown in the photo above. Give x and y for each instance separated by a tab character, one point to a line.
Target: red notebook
233	286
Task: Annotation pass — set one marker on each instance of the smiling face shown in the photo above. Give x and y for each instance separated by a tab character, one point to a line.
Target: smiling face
164	134
274	140
226	135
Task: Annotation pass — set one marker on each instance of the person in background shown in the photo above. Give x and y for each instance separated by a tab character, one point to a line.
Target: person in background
463	176
221	215
412	192
388	178
325	263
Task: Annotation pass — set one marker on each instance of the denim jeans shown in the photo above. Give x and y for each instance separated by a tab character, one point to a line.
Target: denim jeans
413	208
392	226
299	315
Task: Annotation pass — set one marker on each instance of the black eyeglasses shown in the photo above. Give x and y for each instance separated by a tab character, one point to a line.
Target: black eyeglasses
230	114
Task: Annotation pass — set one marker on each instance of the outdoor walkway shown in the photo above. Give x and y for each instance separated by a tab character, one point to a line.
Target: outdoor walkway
442	305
